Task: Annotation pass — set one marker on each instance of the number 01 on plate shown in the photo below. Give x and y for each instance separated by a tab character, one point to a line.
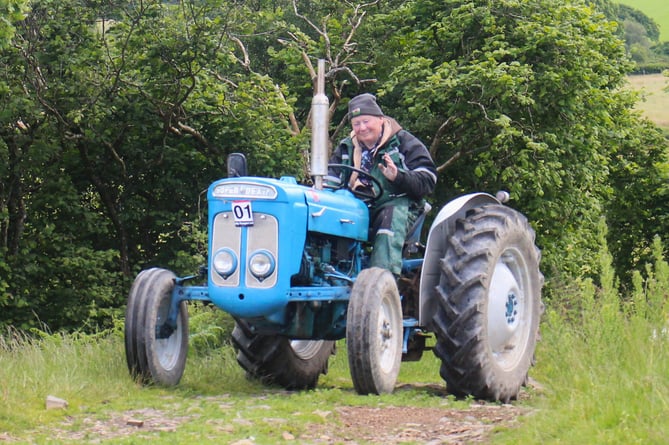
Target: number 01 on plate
243	213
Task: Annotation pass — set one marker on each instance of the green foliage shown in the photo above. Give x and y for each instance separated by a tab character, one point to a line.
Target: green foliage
523	97
210	329
650	26
112	127
639	173
115	118
654	9
642	36
11	11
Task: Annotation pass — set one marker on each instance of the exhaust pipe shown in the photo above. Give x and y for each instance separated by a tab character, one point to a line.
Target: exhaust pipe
320	118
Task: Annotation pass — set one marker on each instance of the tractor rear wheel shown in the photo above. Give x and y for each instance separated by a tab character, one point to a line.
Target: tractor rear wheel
374	333
489	304
292	364
154	352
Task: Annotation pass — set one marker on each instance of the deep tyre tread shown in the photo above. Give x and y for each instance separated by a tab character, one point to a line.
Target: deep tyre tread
489	304
150	359
276	360
130	330
374	332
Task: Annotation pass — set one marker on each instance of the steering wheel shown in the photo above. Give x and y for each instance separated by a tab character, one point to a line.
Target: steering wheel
364	194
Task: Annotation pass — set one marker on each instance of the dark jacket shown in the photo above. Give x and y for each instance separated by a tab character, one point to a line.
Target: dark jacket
417	174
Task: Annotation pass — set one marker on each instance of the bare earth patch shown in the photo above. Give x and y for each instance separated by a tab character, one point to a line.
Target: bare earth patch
395	425
354	424
135	422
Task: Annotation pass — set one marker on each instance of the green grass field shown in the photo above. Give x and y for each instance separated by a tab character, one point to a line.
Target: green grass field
658	10
655	105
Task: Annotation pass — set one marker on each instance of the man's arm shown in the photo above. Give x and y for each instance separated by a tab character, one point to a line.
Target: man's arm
420	176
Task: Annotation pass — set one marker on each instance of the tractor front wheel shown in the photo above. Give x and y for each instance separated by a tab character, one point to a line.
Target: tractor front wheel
154	351
374	332
292	364
489	304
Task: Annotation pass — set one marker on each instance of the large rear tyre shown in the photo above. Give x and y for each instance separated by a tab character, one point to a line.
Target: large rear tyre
276	360
374	332
489	304
155	353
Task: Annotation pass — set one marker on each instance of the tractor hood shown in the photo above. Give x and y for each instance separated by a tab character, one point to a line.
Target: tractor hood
337	213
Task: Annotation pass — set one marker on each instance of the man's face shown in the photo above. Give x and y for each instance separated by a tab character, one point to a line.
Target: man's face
367	128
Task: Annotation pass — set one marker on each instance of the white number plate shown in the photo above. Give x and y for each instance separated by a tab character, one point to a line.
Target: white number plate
243	213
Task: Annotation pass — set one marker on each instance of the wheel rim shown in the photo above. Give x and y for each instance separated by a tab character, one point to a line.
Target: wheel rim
387	335
509	311
306	349
168	349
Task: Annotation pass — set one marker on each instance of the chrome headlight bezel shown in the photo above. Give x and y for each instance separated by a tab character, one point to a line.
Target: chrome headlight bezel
262	264
225	262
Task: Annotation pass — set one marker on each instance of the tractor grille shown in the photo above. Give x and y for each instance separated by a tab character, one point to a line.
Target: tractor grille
262	235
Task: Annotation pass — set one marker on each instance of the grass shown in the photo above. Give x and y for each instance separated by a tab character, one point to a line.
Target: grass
655	105
607	370
603	365
214	403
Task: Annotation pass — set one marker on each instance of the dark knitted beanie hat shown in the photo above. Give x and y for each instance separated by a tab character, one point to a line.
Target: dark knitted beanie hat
364	104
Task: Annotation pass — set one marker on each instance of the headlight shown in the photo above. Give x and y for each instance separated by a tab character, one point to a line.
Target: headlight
225	262
261	264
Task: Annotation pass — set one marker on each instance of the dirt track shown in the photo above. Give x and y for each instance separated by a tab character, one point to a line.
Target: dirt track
385	425
348	425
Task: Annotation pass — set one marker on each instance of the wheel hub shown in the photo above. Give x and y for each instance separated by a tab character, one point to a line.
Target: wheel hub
504	309
168	338
386	331
386	337
511	308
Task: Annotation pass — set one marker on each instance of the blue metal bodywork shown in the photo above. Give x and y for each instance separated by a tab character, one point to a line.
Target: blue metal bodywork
316	241
307	294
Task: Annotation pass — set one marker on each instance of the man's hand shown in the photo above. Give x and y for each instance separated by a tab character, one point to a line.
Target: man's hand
389	170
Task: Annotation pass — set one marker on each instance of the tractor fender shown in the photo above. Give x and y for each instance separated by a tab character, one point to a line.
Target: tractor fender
440	230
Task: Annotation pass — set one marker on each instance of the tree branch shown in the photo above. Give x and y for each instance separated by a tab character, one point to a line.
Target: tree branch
246	62
459	155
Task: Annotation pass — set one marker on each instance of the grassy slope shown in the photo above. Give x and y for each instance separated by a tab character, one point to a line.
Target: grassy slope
658	10
655	105
607	371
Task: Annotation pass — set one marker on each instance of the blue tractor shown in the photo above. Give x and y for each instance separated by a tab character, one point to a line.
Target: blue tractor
289	262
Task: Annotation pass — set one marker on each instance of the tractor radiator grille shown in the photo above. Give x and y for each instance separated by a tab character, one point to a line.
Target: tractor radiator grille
244	241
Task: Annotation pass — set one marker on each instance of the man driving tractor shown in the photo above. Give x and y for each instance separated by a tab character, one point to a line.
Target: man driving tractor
379	146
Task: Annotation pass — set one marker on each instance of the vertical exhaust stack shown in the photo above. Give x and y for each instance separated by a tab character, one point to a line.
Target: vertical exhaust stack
320	118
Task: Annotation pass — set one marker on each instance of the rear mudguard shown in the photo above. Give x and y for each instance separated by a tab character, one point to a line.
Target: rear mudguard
442	227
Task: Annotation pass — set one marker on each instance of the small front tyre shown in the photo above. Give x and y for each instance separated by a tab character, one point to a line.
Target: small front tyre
374	332
154	351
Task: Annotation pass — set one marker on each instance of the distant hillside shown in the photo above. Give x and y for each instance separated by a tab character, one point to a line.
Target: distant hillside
658	10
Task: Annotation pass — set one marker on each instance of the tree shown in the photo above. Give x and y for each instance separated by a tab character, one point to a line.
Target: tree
322	30
115	116
116	120
650	26
637	210
520	96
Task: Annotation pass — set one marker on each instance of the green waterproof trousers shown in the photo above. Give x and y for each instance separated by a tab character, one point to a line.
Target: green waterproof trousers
388	230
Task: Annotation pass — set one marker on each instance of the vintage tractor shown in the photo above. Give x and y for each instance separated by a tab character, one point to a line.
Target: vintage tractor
289	263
